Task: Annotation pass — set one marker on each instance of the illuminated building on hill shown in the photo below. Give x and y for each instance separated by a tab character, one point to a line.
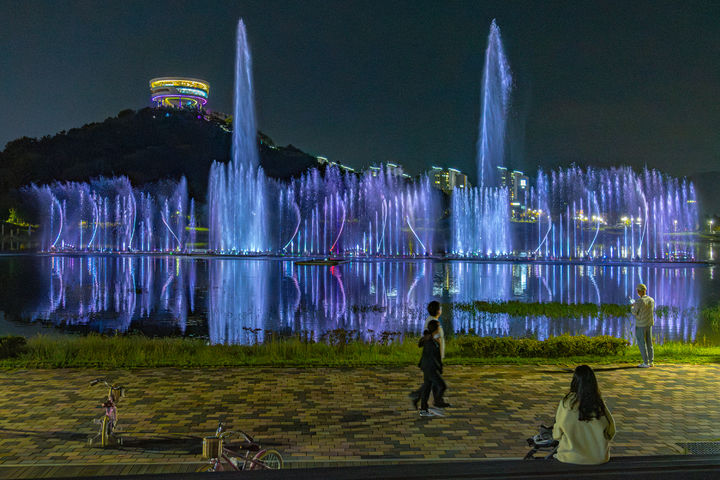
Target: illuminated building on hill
179	92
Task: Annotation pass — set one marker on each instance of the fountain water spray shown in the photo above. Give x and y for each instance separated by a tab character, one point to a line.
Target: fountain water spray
237	192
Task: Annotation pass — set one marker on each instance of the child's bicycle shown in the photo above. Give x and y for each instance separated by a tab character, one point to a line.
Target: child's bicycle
224	459
542	442
108	422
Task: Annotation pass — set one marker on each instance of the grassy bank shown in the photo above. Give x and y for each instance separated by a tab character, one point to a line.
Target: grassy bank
137	351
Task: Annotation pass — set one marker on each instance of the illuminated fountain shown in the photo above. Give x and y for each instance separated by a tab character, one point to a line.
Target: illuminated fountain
612	213
378	213
495	105
109	215
570	213
382	213
237	198
481	215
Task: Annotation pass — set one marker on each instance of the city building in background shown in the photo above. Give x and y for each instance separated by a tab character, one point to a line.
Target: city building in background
449	179
391	168
517	184
179	92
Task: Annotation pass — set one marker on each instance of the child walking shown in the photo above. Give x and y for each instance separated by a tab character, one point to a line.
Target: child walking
431	365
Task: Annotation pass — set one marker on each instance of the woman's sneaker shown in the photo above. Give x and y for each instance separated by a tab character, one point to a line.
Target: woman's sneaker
443	405
643	365
426	413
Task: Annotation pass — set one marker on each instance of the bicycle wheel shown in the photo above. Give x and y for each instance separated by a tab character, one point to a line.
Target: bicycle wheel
267	459
105	432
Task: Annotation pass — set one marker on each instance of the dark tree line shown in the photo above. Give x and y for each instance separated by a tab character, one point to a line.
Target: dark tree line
146	146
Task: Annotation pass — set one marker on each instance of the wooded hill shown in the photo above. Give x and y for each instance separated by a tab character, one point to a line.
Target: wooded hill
146	146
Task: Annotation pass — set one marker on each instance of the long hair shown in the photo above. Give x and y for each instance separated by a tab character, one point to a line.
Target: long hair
585	393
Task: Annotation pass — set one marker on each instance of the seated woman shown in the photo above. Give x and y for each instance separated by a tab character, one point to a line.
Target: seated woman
583	424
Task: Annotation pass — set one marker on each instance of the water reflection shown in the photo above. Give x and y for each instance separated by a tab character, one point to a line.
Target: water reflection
672	287
280	296
226	299
109	293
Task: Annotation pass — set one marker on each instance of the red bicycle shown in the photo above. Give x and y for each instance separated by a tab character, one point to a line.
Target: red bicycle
223	458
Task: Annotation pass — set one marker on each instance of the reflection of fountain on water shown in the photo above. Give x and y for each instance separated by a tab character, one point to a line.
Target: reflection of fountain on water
238	298
108	214
675	288
121	293
110	293
362	296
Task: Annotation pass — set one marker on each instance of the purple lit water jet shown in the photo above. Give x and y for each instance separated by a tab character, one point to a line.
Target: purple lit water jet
109	215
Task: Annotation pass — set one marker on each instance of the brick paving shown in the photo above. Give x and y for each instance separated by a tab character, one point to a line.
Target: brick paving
333	416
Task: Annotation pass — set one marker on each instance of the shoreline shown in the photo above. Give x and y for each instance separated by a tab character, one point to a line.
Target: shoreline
351	259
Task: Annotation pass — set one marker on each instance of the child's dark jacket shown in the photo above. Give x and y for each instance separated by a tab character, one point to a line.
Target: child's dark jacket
430	361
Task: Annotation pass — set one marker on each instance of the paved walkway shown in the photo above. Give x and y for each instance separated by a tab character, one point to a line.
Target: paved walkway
331	416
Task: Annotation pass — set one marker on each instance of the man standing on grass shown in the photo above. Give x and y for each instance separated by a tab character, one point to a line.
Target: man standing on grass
643	309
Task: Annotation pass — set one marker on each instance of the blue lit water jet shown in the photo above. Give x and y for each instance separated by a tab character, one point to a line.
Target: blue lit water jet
495	103
480	224
237	192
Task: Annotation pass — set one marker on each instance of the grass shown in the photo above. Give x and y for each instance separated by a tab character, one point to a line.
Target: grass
345	348
135	351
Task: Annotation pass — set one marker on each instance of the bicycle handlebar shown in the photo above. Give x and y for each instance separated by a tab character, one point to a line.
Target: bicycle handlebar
105	381
247	437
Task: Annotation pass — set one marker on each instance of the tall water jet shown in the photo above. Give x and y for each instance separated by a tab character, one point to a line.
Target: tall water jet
495	102
480	215
237	191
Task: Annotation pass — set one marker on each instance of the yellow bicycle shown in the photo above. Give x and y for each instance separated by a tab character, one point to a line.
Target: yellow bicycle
108	423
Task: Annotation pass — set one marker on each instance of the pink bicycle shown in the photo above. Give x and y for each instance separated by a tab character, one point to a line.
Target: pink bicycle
108	422
223	458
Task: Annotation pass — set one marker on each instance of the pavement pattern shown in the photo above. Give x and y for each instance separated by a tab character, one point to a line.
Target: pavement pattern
333	416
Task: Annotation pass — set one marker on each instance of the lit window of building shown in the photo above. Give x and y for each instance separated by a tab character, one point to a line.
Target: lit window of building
448	180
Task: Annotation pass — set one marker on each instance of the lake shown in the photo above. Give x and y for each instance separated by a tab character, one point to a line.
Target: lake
236	300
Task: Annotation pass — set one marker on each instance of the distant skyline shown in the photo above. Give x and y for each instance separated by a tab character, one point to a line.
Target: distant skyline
361	82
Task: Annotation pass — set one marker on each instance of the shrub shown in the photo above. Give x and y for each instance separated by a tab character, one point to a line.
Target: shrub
711	315
12	346
553	347
547	309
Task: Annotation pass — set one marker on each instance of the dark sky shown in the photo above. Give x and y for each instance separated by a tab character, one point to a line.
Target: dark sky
596	82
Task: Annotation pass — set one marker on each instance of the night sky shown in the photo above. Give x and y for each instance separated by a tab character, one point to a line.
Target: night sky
596	83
